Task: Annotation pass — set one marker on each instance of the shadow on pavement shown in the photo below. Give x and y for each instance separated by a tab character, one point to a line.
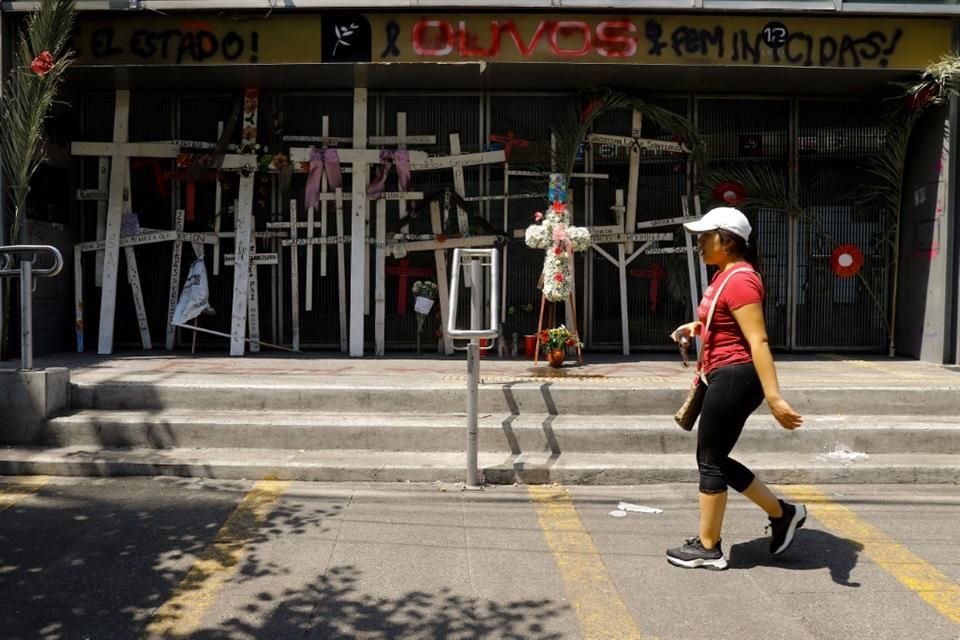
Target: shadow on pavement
333	608
812	549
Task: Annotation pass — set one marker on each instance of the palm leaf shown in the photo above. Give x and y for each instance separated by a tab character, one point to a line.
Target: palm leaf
28	97
570	134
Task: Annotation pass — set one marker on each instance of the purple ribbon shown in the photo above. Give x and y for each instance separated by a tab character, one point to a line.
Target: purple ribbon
388	159
322	161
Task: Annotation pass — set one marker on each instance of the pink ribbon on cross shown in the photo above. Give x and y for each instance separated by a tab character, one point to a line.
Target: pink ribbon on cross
322	161
388	159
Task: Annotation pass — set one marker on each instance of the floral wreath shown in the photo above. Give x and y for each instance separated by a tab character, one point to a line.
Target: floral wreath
560	242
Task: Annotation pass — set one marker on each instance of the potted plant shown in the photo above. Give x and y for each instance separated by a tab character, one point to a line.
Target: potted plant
554	343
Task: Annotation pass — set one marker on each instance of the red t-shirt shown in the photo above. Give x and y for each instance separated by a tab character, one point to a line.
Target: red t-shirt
724	342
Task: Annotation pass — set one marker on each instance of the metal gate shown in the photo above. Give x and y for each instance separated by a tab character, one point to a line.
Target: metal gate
835	141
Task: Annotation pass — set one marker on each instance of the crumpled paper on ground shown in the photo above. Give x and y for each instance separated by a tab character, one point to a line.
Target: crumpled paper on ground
624	507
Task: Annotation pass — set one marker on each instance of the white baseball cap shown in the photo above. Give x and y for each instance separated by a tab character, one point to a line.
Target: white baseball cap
726	218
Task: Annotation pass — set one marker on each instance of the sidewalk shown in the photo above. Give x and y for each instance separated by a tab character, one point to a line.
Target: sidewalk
608	370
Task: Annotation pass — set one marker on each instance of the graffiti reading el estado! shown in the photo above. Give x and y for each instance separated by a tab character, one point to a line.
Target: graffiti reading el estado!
618	39
190	44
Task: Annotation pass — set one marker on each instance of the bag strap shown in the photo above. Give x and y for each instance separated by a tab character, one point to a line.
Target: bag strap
713	307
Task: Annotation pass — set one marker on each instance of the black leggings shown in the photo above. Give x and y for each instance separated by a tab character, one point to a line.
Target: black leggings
733	394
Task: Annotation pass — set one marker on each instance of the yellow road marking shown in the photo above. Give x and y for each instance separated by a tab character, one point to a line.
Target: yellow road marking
11	494
935	588
595	599
180	615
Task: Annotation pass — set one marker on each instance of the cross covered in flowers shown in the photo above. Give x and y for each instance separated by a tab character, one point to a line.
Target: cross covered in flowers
560	240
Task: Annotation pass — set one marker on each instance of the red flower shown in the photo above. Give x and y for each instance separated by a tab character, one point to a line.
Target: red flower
559	208
569	342
558	251
544	336
558	277
42	64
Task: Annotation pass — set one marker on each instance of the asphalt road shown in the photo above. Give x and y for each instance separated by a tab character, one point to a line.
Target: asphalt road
169	557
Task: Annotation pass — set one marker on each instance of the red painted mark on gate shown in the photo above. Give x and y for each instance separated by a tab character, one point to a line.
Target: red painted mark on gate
509	141
655	274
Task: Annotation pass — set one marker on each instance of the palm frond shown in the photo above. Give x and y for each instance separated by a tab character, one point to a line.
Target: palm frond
594	103
28	96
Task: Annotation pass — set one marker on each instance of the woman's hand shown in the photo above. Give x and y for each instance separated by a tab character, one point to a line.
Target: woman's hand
784	414
686	331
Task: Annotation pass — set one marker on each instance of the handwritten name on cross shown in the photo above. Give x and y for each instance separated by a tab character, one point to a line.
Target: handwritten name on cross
635	144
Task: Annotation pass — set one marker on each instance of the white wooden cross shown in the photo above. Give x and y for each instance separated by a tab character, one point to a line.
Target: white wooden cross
439	245
360	159
614	234
339	239
146	236
119	151
310	241
246	304
634	143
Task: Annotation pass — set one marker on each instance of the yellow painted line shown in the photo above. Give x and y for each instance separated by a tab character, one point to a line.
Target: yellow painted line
11	494
935	588
180	616
595	599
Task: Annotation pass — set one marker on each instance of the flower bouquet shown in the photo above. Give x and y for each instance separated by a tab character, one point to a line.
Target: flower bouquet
425	292
554	343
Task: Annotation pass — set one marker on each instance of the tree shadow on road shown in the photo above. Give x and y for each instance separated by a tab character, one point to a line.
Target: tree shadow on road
812	549
333	607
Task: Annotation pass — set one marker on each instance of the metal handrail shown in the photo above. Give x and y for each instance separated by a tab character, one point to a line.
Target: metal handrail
10	268
477	260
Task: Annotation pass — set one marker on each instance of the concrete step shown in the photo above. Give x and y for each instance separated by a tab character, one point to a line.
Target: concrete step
582	468
520	397
503	433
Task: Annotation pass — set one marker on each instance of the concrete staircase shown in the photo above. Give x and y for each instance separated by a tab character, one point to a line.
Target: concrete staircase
532	432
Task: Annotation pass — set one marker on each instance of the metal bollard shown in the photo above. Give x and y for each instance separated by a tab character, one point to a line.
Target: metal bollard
475	263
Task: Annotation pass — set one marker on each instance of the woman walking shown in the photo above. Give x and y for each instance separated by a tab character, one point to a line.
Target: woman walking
738	368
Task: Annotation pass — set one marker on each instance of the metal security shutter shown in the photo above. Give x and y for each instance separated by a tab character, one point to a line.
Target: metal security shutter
755	131
835	141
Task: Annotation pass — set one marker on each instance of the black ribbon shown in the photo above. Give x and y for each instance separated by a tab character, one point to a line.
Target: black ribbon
393	32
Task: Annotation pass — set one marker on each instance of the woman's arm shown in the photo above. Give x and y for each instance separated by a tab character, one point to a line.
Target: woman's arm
750	319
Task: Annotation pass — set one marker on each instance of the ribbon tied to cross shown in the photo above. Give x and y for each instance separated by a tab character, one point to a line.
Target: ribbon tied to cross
322	161
389	159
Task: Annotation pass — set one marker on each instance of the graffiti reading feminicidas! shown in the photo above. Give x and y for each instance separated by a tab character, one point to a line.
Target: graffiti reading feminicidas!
732	40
